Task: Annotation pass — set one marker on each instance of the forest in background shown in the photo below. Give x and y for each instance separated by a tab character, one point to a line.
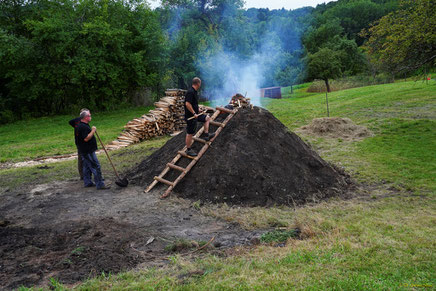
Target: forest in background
57	56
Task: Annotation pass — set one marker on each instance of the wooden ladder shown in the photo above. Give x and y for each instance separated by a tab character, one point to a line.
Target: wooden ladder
182	153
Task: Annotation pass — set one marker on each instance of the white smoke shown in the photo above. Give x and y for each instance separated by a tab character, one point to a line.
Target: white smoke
230	75
231	70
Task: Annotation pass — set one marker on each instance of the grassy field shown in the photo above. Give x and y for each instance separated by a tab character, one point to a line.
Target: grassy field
28	139
383	239
401	115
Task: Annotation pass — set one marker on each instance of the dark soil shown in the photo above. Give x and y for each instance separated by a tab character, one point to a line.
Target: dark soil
69	252
255	161
71	233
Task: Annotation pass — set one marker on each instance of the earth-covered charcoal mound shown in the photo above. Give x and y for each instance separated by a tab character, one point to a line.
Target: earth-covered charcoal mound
255	161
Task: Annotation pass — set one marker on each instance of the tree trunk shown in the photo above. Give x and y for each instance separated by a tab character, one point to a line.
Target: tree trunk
327	85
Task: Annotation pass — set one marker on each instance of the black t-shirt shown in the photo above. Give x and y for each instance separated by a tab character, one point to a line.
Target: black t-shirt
75	123
82	131
191	97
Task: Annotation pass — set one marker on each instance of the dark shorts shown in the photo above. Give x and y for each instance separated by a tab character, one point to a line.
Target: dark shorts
192	124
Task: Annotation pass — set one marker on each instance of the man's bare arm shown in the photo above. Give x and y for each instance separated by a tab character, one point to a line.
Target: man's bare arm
91	134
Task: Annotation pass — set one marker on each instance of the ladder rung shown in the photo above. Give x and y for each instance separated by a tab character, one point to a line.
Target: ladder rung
219	124
224	110
186	155
165	181
199	139
175	167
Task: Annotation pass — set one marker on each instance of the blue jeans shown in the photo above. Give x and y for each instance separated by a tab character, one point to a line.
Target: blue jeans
91	165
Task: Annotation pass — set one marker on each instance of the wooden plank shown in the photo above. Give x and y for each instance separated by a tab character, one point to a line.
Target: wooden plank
162	180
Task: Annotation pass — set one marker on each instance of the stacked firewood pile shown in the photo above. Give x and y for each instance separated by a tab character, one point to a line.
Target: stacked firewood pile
238	100
166	118
178	109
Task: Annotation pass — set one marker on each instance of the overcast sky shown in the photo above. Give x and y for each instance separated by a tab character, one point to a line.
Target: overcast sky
271	4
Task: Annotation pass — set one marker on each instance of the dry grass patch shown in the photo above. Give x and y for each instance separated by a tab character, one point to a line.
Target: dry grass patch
251	217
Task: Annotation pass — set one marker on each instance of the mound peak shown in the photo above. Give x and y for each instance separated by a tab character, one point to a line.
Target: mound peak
255	161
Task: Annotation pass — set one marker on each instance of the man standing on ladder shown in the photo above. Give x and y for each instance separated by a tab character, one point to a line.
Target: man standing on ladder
191	110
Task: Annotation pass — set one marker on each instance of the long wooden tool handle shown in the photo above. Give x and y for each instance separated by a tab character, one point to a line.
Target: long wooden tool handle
102	145
194	116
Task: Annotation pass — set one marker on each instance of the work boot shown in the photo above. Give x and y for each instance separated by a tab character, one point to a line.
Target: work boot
191	152
209	136
90	185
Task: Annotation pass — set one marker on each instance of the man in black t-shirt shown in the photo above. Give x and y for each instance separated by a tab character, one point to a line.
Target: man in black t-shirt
87	145
191	110
74	123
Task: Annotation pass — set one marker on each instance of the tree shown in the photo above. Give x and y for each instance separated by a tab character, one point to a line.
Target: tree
325	64
323	36
404	40
347	58
209	12
357	15
63	55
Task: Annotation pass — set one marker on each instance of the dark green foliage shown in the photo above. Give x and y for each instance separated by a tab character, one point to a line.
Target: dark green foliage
404	41
59	56
323	36
356	15
335	29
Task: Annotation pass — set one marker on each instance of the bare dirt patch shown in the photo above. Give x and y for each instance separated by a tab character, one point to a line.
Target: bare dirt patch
335	127
68	232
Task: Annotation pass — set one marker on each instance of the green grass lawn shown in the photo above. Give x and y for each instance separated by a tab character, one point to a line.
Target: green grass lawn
384	239
28	139
401	115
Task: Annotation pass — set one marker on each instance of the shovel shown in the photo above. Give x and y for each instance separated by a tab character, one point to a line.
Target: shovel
120	182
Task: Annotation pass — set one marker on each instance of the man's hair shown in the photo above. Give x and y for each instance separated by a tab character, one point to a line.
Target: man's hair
84	113
196	81
84	109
